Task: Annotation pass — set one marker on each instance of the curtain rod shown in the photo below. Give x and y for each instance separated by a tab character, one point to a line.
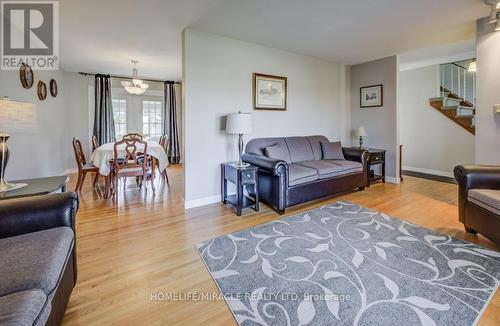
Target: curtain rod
126	77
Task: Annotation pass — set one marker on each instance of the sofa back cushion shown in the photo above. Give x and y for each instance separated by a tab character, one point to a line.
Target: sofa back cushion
258	146
278	151
315	142
332	151
298	149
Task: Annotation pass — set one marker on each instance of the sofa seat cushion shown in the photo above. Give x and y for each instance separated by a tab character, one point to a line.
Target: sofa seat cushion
347	166
299	174
488	199
34	260
324	169
30	307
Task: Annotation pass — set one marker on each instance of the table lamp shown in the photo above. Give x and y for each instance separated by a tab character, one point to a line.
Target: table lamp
240	124
360	132
16	117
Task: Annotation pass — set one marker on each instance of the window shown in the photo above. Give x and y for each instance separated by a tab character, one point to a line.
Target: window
151	119
120	117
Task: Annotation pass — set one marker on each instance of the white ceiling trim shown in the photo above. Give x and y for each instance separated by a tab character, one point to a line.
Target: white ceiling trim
438	55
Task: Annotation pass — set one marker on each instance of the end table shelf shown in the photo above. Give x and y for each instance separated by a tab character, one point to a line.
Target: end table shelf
247	201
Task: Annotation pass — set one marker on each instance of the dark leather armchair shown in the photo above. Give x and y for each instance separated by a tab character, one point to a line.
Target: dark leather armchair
25	217
479	199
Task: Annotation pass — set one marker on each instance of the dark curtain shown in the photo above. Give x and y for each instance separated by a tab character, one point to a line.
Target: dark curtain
170	127
104	124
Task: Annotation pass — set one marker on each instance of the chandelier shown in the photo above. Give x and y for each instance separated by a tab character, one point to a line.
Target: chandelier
136	86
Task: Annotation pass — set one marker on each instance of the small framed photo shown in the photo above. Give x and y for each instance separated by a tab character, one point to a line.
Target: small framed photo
269	92
371	96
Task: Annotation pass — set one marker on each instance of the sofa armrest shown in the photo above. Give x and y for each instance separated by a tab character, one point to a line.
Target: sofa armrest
273	166
26	215
356	154
474	177
477	176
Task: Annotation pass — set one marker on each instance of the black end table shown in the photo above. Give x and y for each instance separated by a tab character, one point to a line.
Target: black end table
36	187
241	177
377	157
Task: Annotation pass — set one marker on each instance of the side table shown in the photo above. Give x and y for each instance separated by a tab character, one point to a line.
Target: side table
241	177
37	187
377	157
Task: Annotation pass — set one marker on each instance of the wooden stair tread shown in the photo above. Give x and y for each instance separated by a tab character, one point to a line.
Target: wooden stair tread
462	121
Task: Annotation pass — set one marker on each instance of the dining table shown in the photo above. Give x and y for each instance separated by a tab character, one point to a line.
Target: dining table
104	154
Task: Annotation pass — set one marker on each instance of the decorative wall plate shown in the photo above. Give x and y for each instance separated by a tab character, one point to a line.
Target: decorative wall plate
53	87
26	75
41	90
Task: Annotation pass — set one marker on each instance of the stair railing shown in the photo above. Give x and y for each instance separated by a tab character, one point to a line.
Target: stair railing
458	80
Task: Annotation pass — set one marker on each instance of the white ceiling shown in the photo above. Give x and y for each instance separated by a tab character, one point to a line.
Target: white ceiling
104	35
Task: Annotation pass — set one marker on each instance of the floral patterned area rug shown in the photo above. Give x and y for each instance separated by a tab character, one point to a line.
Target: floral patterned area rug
344	264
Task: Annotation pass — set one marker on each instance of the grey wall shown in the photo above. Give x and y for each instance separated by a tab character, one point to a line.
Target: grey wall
380	122
432	143
49	151
488	94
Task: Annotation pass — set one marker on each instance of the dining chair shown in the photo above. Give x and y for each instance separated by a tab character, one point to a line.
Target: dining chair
133	135
95	143
164	144
83	167
130	166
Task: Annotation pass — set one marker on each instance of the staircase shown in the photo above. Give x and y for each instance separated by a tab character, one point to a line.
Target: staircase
457	92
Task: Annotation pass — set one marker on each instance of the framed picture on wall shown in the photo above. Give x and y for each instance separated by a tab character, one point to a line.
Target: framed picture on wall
269	92
371	96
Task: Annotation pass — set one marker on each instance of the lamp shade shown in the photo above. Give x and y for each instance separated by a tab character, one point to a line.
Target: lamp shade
239	123
360	132
17	117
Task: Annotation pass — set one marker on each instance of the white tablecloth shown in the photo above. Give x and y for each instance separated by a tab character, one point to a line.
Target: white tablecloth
104	153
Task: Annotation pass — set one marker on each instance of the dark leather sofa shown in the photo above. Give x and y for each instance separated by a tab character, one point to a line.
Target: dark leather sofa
479	199
302	174
38	258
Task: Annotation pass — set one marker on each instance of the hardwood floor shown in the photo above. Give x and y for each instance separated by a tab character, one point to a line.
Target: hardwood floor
144	244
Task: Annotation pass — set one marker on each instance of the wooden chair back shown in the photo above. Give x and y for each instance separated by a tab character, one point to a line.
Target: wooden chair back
95	143
133	135
164	142
79	155
131	155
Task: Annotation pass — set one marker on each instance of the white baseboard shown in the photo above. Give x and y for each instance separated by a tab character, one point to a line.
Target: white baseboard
201	201
70	171
392	180
204	201
429	171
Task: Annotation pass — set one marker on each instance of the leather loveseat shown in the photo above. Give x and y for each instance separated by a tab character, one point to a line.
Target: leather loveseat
479	199
37	258
300	174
